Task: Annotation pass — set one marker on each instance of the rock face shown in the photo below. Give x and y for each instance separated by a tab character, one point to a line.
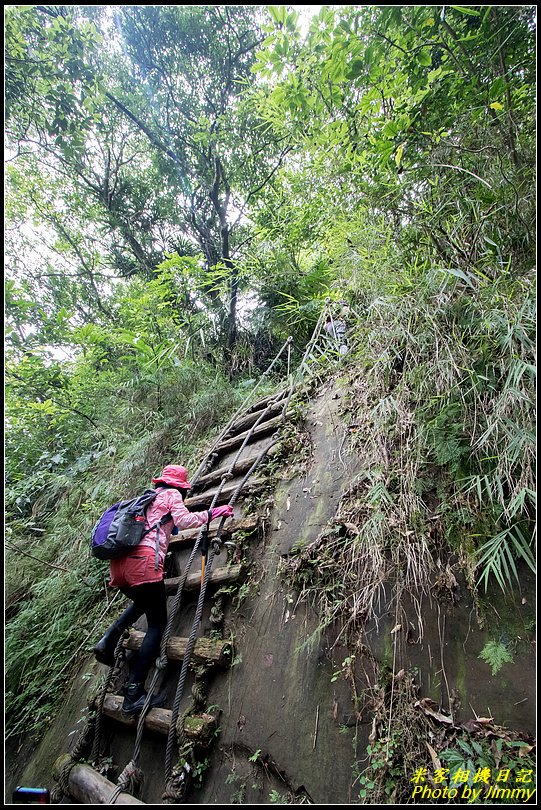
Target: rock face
280	699
288	729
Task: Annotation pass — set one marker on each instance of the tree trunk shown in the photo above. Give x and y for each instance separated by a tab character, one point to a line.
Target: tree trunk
232	313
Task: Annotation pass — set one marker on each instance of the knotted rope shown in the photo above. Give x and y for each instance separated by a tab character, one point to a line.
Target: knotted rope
211	456
178	778
119	656
61	789
89	738
217	611
126	776
195	626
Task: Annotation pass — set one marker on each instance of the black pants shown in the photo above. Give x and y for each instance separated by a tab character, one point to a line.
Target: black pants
150	599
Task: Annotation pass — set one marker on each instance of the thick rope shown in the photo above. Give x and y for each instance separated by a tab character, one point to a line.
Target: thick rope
202	467
184	669
131	776
162	661
89	738
119	655
313	340
181	777
131	780
176	604
62	789
216	617
199	611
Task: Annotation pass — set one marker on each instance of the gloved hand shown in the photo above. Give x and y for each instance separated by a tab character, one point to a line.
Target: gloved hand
221	511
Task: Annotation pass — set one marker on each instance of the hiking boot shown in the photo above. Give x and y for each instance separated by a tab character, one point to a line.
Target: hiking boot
135	697
104	650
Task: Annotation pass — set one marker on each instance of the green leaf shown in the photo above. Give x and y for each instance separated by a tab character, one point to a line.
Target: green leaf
496	557
454	271
278	14
497	87
496	655
390	130
425	58
466	10
355	69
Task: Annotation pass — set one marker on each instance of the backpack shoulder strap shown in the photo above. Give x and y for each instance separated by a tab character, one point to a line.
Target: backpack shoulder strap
164	519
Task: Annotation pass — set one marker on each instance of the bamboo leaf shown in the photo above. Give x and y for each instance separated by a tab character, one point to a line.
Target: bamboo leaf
455	271
466	10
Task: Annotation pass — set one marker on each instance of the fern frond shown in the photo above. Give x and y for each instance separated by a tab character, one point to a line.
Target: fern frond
495	654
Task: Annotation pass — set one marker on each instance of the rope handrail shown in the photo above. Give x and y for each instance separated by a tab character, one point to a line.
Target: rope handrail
197	619
130	774
239	410
129	770
232	500
191	640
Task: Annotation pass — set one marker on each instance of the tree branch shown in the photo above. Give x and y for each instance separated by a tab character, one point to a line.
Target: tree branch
153	138
267	179
61	405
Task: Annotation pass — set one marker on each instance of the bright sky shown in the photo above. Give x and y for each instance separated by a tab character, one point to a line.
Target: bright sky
306	14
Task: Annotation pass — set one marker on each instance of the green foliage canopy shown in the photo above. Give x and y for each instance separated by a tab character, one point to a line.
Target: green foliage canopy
163	161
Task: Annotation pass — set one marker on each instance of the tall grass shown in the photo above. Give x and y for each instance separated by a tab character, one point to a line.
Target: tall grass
57	602
454	367
441	399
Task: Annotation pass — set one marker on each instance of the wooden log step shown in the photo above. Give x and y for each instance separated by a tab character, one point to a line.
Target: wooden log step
202	501
218	576
258	406
214	652
246	524
260	430
87	786
247	421
197	727
157	719
242	466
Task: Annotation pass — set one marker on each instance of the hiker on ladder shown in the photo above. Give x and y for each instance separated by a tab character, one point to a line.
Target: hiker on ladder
140	577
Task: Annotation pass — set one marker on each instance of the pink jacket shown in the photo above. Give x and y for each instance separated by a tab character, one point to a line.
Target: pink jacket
138	567
169	500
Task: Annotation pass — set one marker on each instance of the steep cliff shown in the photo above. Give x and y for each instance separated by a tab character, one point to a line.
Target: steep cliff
303	707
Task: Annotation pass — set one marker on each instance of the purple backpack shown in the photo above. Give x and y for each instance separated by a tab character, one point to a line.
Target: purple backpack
122	527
